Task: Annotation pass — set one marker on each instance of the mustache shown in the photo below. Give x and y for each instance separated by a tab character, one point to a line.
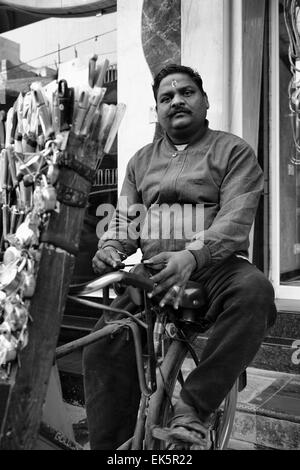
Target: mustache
179	109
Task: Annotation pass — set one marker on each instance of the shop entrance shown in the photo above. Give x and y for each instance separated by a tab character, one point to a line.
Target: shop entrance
285	149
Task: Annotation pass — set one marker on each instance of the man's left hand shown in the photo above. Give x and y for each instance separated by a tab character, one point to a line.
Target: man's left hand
175	269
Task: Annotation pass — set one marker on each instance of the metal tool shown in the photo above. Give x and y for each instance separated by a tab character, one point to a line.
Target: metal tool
55	112
12	166
19	127
9	124
65	97
43	111
108	113
92	69
83	103
95	100
100	80
2	128
120	111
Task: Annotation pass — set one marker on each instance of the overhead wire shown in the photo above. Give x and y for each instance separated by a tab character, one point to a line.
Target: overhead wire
91	38
56	64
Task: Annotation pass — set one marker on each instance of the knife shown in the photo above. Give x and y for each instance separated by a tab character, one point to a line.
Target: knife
43	111
92	69
101	73
80	112
95	100
2	128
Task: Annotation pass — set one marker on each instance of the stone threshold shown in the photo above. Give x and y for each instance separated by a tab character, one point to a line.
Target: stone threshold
268	411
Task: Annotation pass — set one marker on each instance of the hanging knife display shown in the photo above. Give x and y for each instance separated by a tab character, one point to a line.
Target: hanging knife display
35	136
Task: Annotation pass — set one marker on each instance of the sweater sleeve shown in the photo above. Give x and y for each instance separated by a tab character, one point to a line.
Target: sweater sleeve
239	197
123	230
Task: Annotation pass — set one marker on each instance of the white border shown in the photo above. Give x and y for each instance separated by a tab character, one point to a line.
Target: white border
281	292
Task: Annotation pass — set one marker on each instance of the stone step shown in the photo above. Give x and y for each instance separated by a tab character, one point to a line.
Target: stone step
287	325
235	444
268	411
278	354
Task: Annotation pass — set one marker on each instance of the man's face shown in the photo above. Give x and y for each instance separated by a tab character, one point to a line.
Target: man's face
181	107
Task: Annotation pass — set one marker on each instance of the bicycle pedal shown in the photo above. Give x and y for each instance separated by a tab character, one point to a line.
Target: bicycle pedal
188	435
162	434
179	435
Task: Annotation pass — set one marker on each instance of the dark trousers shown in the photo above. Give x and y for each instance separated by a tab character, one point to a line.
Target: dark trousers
241	306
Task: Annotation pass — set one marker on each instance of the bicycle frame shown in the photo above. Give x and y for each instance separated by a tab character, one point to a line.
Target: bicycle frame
146	375
147	380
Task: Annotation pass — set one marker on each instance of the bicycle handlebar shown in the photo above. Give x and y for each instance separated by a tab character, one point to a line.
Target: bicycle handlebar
128	279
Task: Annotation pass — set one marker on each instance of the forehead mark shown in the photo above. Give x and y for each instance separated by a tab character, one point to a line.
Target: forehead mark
174	83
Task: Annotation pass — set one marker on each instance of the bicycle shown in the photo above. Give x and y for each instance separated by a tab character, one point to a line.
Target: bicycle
170	354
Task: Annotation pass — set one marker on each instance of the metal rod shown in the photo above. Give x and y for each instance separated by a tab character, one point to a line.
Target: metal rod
86	340
146	391
126	445
106	295
137	441
108	190
150	345
88	303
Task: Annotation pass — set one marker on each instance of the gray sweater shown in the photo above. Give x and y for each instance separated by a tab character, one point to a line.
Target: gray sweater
216	181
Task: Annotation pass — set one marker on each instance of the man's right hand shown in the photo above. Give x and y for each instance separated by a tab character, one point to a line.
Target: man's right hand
106	260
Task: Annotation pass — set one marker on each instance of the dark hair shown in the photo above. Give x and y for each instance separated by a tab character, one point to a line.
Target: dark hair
175	68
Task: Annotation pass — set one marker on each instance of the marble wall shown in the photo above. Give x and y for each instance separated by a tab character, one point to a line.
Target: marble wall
161	33
212	44
149	36
202	49
134	83
205	35
161	36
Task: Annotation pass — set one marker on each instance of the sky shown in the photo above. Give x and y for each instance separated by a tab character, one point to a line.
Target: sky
40	41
